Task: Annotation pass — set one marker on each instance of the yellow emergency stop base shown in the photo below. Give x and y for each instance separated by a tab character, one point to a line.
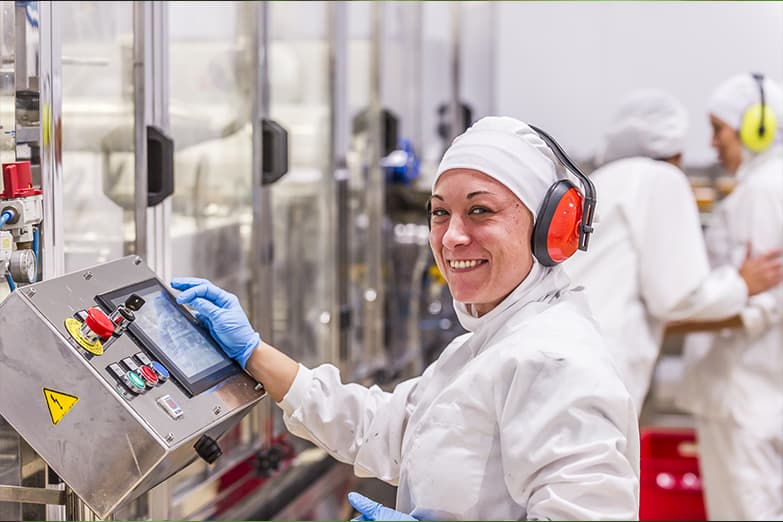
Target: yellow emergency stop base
74	328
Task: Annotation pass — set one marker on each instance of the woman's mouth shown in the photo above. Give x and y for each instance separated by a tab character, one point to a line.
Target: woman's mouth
465	265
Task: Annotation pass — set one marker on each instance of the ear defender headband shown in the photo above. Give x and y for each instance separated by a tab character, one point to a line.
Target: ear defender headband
565	219
759	124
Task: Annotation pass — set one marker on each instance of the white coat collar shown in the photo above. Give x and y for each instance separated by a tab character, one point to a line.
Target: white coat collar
540	284
752	162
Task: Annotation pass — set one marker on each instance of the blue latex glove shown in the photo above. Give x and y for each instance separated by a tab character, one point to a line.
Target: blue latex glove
371	510
221	312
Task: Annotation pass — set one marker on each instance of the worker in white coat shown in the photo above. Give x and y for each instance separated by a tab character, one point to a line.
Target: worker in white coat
523	417
733	378
647	263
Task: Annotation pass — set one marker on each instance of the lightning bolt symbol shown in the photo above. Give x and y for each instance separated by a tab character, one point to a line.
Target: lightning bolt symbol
54	400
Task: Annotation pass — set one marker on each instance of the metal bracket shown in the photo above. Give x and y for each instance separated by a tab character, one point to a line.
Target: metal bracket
32	495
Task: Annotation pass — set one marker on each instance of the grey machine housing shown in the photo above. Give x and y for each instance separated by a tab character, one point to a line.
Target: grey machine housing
112	445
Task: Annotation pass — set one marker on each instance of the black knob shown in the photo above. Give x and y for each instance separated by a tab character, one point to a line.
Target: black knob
208	449
268	459
134	302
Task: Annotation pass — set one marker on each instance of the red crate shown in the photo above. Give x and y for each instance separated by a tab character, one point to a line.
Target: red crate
670	481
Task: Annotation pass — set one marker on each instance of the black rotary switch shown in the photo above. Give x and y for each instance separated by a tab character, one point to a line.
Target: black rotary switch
208	449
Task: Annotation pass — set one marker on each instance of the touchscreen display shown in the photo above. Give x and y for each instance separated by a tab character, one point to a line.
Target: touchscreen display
186	346
171	334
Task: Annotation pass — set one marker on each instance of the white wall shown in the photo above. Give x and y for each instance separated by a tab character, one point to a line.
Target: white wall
563	65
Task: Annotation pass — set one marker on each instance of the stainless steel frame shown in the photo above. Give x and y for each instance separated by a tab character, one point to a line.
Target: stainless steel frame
457	118
52	238
337	183
141	85
373	292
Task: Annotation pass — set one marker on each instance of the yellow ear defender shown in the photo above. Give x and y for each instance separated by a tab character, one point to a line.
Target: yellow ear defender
759	124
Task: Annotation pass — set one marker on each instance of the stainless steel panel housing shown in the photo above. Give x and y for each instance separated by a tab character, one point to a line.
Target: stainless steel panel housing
108	448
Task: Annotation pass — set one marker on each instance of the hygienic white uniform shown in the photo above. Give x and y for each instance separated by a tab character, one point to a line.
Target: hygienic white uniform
524	417
733	380
647	265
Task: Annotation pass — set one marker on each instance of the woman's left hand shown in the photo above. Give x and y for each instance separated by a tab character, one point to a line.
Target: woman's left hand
371	510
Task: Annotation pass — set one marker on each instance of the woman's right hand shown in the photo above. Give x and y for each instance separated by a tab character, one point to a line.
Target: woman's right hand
221	312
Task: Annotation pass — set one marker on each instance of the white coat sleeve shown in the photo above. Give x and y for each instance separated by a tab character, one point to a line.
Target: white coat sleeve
357	425
760	222
570	442
675	278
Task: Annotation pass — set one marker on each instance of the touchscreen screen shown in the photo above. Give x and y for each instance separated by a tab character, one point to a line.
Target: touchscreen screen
172	334
184	345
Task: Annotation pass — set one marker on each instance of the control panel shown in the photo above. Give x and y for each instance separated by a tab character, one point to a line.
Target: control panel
113	383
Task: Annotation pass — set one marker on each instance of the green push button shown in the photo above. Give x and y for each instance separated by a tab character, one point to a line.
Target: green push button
136	380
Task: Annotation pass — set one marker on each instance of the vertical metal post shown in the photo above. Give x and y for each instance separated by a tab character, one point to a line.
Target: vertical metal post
262	243
157	111
262	248
457	119
416	44
338	178
52	238
492	58
141	32
374	291
20	53
49	73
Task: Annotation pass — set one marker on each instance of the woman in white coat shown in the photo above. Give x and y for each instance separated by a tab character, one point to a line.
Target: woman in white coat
522	417
647	264
733	379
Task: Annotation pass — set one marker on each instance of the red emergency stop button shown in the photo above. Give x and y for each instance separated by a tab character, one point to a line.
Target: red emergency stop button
149	375
99	323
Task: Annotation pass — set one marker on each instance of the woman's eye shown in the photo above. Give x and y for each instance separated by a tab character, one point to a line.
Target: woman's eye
438	212
478	210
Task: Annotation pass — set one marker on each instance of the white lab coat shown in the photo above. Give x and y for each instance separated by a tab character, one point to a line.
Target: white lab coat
647	265
733	379
524	417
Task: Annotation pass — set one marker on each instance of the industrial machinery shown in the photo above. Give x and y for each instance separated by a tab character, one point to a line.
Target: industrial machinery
21	212
112	383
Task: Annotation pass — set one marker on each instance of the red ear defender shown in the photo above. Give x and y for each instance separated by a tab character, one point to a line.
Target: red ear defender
565	219
557	229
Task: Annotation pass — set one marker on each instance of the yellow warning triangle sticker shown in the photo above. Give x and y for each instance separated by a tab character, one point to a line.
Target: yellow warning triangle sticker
59	404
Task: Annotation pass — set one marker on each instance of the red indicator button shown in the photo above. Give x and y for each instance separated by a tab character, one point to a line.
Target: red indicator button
149	375
99	323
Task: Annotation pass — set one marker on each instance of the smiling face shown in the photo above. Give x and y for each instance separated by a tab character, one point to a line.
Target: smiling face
726	141
480	237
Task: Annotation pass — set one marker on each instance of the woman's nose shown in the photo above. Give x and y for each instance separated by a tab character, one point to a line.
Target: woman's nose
456	234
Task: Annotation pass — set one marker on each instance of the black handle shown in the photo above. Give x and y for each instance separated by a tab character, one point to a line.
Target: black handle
390	125
160	166
274	140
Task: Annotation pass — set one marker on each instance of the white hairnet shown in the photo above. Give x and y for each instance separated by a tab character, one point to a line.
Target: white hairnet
509	151
737	94
649	123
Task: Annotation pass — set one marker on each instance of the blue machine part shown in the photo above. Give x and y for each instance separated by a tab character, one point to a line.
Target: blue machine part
401	165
